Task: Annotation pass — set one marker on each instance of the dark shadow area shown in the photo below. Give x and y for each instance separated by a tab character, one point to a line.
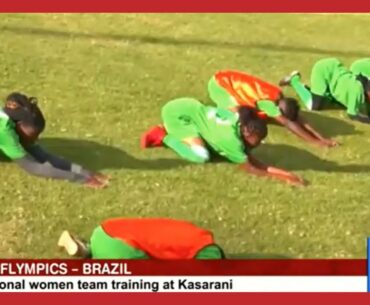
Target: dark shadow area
293	158
330	127
256	256
4	159
327	126
144	39
96	156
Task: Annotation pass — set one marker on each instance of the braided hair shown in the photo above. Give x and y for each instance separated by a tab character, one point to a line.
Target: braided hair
24	110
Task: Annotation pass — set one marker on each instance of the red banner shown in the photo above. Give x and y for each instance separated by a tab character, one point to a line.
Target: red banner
190	267
290	6
186	299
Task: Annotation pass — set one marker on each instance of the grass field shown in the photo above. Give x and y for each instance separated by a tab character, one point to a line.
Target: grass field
101	80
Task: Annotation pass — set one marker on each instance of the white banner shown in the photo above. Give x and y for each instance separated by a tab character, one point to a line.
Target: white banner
183	284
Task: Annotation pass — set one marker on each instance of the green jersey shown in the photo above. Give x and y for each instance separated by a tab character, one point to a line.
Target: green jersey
220	128
9	140
187	118
330	76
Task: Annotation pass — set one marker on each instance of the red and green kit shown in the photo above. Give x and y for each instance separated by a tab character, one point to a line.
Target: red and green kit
229	89
158	238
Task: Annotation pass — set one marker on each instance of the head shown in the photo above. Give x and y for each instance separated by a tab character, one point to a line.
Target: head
27	116
289	107
253	129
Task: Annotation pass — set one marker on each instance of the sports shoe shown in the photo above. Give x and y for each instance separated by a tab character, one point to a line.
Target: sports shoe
153	137
285	81
73	246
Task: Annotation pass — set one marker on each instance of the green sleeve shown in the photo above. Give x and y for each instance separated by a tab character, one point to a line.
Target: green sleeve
355	101
10	145
238	158
269	107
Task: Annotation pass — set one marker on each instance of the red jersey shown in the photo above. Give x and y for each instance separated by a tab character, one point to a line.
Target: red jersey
160	238
247	89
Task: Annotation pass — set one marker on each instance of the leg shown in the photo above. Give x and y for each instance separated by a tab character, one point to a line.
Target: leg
190	149
210	252
182	135
104	246
304	93
313	98
219	95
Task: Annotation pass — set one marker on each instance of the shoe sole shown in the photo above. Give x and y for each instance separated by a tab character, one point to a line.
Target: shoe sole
67	242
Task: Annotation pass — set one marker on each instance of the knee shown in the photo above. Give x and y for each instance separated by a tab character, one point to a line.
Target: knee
201	153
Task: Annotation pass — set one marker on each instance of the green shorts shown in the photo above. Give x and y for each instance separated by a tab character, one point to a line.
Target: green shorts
321	76
210	252
177	116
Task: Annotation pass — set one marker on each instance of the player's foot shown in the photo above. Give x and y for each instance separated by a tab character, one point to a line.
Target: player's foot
153	137
285	81
73	246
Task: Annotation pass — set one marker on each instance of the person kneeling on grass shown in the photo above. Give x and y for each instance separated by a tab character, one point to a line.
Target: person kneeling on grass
332	82
230	89
156	238
190	128
21	123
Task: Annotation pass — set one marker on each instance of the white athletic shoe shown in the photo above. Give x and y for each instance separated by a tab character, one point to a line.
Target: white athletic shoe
72	245
285	81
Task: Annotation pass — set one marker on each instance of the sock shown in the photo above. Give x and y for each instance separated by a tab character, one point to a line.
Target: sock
187	152
302	91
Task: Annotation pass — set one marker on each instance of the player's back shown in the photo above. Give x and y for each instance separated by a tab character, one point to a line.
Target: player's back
220	128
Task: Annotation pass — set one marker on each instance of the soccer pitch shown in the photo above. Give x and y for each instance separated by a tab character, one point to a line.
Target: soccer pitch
101	81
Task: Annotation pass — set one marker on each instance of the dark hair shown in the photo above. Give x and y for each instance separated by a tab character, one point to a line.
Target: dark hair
289	107
248	118
23	109
257	127
246	114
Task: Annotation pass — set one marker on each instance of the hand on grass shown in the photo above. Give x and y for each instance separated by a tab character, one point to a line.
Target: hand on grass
95	183
296	181
102	178
330	143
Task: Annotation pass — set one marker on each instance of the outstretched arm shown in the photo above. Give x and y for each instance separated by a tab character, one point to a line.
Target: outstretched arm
315	133
44	157
39	163
301	132
256	167
46	170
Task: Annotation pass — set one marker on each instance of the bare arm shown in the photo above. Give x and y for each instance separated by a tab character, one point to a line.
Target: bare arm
256	167
315	133
301	132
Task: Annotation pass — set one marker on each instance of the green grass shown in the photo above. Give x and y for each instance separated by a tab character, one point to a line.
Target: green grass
102	79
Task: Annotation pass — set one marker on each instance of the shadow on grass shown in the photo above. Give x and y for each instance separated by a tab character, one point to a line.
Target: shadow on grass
96	156
328	126
163	40
256	256
331	127
293	158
